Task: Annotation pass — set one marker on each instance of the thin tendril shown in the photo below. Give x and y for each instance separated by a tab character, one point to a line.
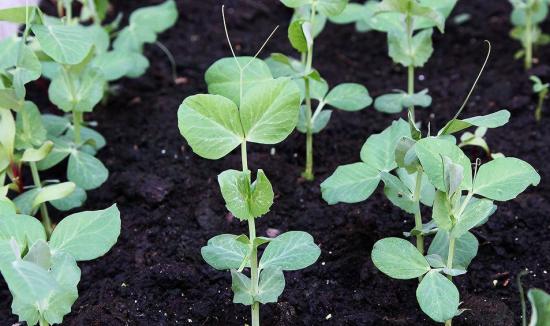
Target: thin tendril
476	81
263	45
228	38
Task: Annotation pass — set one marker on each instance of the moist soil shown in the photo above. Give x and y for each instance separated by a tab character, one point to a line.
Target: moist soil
171	204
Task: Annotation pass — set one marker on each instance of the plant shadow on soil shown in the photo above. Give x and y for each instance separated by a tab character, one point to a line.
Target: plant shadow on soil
171	204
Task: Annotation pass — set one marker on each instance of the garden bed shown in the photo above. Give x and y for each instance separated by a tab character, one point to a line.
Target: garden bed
171	204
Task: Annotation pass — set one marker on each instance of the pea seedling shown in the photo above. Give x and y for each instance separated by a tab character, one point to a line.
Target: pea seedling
526	18
542	91
309	19
246	104
433	171
41	271
409	25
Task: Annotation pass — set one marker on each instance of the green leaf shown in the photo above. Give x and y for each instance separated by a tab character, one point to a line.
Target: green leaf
73	200
86	171
7	132
241	286
399	259
24	229
53	192
157	18
62	148
9	100
40	254
352	13
132	38
427	190
224	76
87	235
493	120
349	97
466	248
225	251
24	201
30	131
88	135
505	178
453	175
271	286
18	15
55	125
351	183
35	155
113	64
475	212
417	54
429	151
72	91
210	124
290	251
438	297
140	64
331	7
540	307
441	212
29	284
398	193
269	112
320	121
295	3
296	36
66	44
242	199
379	149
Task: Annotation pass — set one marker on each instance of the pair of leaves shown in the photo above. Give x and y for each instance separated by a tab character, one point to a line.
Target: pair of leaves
438	297
29	201
213	125
246	200
355	182
77	91
396	102
145	25
415	53
493	120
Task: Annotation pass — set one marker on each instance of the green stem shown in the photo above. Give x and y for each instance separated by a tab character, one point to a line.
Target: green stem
410	68
522	299
91	5
418	214
538	111
255	308
244	157
46	221
77	122
450	266
528	39
308	173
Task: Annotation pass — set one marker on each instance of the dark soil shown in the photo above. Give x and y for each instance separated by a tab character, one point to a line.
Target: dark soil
171	204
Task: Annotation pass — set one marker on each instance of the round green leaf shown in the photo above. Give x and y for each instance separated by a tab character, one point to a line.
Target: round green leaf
399	259
349	97
210	124
86	171
225	252
87	235
290	251
505	178
351	183
66	44
438	297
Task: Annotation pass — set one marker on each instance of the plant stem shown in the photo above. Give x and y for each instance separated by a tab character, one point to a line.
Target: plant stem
91	6
43	208
522	299
538	111
418	214
450	258
244	157
410	68
308	173
528	39
255	308
77	121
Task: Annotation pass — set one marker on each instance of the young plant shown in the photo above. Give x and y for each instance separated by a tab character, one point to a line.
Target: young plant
309	19
409	25
41	271
435	172
540	305
246	104
542	91
526	18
